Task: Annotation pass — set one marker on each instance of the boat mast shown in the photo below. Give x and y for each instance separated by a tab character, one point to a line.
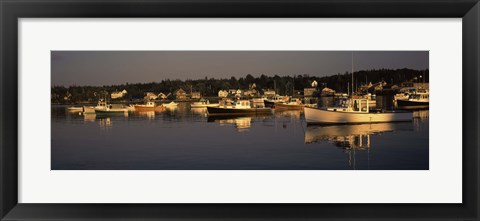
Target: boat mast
293	86
352	75
275	87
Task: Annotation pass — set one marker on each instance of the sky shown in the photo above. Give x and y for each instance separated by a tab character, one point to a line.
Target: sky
96	68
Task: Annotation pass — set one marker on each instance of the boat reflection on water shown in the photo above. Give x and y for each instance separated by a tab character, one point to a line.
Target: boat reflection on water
242	124
354	137
296	114
89	117
105	123
202	111
150	115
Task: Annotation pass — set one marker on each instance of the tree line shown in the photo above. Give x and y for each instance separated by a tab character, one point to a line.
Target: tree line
209	87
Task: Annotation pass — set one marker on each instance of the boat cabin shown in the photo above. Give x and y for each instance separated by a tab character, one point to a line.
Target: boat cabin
359	105
150	104
242	104
418	97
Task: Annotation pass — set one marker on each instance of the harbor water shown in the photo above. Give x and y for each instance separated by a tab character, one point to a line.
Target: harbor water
184	138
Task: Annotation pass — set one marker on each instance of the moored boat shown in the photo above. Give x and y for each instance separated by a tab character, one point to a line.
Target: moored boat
112	109
241	107
203	103
354	112
101	105
293	105
418	100
149	106
171	104
277	99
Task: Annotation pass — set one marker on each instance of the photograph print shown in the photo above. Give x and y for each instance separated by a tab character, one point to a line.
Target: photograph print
239	110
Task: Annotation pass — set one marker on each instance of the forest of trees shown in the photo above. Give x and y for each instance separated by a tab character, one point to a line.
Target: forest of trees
209	87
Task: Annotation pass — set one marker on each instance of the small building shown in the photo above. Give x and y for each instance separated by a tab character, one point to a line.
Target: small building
118	94
232	91
222	93
238	93
196	95
180	94
326	92
308	91
162	96
150	96
314	83
251	92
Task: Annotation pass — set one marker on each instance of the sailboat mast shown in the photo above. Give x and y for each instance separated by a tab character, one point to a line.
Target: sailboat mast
352	75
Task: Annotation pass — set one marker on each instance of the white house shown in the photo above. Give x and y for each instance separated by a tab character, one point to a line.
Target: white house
162	96
150	96
222	93
118	94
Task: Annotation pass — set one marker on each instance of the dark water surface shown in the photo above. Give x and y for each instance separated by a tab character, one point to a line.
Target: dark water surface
186	139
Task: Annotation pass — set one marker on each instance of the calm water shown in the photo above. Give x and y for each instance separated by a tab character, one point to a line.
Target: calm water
186	139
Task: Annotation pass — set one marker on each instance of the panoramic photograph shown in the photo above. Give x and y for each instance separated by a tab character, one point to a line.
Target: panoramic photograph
239	110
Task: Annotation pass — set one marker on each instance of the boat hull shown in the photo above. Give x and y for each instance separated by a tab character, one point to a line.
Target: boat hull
88	110
203	105
146	108
269	104
407	104
319	116
117	111
218	111
289	106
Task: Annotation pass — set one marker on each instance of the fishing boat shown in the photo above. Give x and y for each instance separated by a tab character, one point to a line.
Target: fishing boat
241	107
354	111
101	105
149	106
277	99
113	109
418	100
203	103
292	105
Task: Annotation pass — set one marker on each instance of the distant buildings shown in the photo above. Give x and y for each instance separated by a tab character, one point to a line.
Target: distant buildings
196	95
150	96
269	93
162	96
308	92
118	94
180	94
326	92
222	93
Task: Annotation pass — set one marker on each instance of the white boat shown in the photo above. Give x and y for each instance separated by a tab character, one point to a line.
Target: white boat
353	112
203	103
101	105
241	107
75	109
171	104
113	109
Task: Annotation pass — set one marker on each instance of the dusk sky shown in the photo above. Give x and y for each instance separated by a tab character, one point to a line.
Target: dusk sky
97	68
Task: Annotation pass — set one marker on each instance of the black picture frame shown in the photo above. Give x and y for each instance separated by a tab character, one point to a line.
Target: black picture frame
12	10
